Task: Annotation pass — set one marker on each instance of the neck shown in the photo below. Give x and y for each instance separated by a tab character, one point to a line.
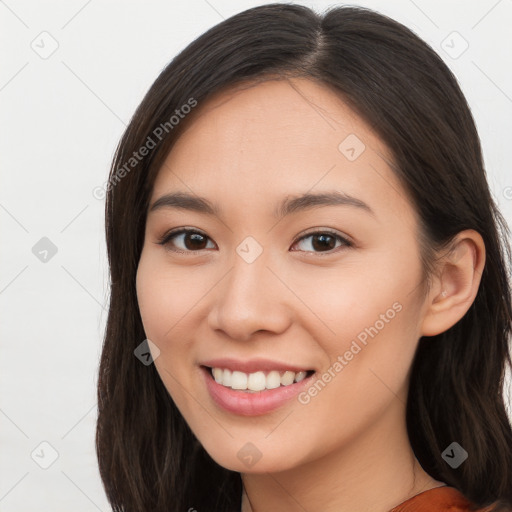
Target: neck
375	470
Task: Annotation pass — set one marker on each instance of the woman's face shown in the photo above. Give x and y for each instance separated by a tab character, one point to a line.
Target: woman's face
331	285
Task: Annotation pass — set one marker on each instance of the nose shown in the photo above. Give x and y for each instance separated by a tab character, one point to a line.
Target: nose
250	298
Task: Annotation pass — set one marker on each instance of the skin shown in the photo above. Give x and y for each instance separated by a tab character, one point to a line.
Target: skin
246	150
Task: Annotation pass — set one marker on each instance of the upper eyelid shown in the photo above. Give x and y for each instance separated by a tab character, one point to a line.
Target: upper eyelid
310	231
165	238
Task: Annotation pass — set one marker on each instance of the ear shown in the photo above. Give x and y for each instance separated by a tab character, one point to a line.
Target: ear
456	283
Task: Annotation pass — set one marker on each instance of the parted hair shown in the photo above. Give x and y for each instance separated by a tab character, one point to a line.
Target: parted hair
149	460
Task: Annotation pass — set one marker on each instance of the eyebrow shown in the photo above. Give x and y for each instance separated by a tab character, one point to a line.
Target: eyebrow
290	205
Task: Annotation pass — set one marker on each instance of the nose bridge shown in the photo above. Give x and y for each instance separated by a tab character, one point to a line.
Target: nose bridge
249	300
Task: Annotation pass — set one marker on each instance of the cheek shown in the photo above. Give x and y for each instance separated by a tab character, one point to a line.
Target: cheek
339	303
366	375
164	297
367	323
150	298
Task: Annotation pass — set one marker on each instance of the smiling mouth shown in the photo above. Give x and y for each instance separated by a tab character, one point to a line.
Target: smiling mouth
256	381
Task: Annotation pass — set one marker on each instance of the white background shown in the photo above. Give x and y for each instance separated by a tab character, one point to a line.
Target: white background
61	119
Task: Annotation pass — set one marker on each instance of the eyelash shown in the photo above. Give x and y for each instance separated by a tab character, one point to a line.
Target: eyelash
165	239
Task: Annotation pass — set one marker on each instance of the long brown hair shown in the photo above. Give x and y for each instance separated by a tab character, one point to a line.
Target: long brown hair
149	460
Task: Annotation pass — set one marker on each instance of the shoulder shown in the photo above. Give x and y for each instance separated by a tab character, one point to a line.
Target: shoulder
439	499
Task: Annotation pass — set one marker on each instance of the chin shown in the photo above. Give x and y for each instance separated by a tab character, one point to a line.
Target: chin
246	457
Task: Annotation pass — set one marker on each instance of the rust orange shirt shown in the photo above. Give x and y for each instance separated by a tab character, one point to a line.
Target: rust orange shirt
439	499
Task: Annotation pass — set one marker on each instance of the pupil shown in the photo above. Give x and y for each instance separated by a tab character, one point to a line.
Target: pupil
195	237
319	241
323	243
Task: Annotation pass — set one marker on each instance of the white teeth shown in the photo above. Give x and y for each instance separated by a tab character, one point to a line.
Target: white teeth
238	380
273	380
257	381
287	378
217	375
226	378
300	376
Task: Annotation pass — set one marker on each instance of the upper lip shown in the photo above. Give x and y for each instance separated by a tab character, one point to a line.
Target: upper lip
253	365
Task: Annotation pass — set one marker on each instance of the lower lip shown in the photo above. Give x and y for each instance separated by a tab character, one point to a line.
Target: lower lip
252	404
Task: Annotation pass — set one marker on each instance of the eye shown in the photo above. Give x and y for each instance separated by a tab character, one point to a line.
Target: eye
191	239
323	241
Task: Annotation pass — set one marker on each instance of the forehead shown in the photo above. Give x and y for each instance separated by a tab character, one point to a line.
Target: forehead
299	111
273	137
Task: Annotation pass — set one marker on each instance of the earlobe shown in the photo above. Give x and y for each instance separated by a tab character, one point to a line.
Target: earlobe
456	284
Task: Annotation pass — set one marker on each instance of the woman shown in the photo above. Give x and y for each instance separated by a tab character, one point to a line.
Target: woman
309	300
